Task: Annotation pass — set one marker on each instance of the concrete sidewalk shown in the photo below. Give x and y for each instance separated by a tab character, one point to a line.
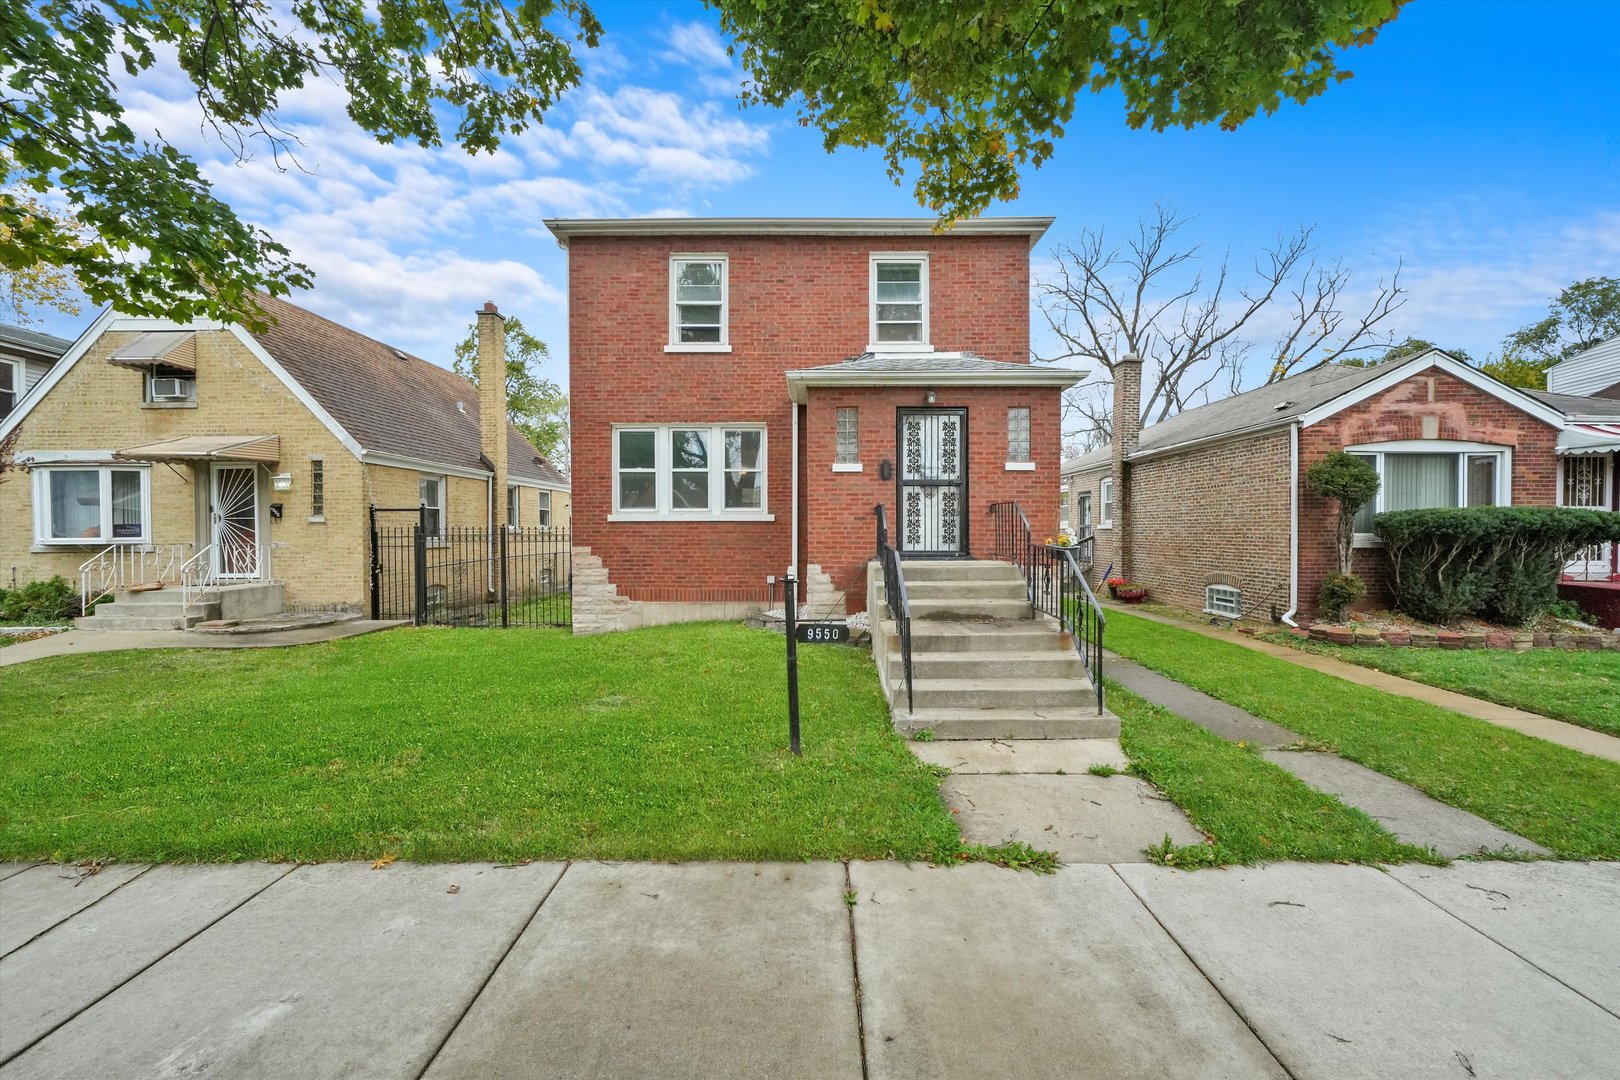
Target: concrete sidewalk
829	970
78	642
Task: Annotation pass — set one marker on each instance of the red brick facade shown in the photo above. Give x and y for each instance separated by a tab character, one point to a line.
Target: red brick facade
794	302
1218	513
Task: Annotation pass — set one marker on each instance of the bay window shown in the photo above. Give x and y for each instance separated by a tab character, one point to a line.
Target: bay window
1431	474
92	504
709	471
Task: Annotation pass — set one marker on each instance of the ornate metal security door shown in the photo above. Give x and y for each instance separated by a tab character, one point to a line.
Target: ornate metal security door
933	481
1587	483
234	520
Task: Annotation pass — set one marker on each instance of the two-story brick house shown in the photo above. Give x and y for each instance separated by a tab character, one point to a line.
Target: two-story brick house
744	392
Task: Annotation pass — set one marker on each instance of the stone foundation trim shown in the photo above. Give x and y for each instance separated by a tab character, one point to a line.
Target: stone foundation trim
1514	640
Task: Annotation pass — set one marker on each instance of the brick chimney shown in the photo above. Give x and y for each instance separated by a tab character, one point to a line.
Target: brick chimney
1127	423
492	404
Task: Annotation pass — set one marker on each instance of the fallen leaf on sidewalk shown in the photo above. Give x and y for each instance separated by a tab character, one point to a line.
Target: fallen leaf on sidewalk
384	862
453	889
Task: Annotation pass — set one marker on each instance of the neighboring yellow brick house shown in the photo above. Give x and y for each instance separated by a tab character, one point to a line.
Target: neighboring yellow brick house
258	454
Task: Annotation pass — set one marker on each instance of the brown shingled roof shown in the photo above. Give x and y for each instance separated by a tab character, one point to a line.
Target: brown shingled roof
390	401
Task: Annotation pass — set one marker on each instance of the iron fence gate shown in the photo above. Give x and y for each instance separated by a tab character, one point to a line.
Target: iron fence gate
470	576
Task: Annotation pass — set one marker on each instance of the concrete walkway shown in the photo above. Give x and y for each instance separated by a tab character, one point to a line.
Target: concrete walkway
1573	736
78	642
1412	816
825	970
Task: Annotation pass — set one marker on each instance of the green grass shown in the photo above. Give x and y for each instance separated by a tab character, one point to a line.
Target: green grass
432	744
1580	687
4	641
1252	810
1558	797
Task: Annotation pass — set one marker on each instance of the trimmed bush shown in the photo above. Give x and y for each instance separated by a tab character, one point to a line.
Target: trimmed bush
39	603
1499	562
1351	481
1337	593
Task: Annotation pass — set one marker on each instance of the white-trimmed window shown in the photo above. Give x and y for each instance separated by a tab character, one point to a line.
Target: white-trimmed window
1018	452
514	505
545	509
699	303
430	493
1223	600
11	385
689	471
1105	497
169	386
93	505
1082	513
1430	474
847	451
899	300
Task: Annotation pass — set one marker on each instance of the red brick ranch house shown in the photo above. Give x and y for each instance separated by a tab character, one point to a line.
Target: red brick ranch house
1210	510
745	391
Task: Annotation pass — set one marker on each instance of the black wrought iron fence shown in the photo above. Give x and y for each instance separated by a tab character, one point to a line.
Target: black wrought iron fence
471	575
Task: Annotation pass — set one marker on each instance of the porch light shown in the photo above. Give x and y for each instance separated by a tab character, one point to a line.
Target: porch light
929	397
281	481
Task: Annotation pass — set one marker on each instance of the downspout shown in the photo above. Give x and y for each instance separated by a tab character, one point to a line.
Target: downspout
1293	525
793	552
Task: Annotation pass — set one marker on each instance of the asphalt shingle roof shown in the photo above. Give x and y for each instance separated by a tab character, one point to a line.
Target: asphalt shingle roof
924	361
33	340
1577	405
390	401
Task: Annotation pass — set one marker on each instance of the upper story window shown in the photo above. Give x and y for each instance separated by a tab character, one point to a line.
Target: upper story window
699	305
898	299
11	383
94	504
1427	475
172	386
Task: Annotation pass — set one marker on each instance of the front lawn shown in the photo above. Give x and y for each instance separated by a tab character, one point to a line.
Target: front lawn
1253	811
1580	687
1558	797
434	744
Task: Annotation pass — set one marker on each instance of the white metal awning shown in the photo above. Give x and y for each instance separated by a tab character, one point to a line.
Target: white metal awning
1589	439
260	448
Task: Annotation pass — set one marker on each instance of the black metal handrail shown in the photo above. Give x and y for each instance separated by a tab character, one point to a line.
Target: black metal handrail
894	595
1055	584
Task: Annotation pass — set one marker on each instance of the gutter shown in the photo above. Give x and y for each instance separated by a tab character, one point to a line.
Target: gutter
1293	526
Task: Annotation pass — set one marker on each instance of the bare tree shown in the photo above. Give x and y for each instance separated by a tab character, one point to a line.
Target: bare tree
1148	296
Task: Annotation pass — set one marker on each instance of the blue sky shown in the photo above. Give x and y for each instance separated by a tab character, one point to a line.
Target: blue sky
1478	145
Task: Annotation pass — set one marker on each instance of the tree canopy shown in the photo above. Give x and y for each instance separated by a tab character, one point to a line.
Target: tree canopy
968	96
535	406
1581	316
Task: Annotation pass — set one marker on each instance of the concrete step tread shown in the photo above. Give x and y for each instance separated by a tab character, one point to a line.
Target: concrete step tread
1017	683
1057	653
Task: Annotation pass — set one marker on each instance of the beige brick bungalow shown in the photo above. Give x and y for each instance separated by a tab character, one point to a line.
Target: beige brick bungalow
255	455
1209	508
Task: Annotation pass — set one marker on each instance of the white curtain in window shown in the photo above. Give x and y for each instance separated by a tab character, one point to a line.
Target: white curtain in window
75	503
1419	481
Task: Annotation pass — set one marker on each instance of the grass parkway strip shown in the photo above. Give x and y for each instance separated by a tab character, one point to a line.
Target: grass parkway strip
1555	796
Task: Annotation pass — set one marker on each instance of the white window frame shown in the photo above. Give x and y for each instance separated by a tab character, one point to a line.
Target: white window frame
1105	503
1082	510
42	506
873	344
1027	462
663	509
544	499
191	388
444	497
724	344
514	506
1212	607
1459	449
18	375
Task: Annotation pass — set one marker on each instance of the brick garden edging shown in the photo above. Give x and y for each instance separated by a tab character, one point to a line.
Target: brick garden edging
1515	640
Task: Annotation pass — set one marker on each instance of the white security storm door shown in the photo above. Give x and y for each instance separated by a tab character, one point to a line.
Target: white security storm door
1587	483
233	515
933	481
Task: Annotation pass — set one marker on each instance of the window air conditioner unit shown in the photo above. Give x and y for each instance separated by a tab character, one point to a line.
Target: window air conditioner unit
168	389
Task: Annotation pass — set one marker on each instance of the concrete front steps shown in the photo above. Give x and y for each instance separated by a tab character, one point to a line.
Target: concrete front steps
984	664
161	609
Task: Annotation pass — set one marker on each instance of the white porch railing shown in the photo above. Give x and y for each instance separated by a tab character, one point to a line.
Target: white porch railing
196	578
122	565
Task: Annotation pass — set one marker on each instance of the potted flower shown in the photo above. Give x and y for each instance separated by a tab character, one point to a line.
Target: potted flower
1114	583
1132	594
1062	539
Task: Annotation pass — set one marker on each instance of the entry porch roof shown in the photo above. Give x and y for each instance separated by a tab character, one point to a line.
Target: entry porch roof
265	449
926	369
